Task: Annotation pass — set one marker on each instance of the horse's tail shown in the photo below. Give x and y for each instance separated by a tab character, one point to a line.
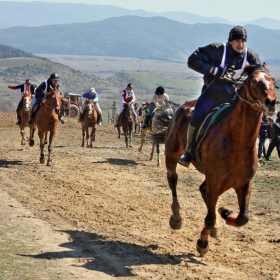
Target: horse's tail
161	120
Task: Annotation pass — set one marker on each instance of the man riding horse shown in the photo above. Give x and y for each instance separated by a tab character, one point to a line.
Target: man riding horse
40	92
214	61
27	86
91	94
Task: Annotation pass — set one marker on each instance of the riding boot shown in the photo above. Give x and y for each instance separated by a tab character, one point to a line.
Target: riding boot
18	117
187	158
32	116
117	121
99	120
81	117
60	116
146	122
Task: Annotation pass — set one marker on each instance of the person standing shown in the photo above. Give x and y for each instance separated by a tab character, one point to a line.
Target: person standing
273	133
262	137
27	86
214	61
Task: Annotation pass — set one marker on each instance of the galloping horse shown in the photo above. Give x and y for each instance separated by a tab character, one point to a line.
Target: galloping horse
90	120
156	132
228	153
126	121
46	120
25	110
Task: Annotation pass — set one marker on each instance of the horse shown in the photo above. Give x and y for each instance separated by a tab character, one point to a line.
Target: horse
228	153
126	120
90	120
24	113
46	120
156	132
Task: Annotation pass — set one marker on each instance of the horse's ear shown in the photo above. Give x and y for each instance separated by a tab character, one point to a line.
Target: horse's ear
265	66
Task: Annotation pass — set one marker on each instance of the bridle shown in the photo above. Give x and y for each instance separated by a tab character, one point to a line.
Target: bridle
56	105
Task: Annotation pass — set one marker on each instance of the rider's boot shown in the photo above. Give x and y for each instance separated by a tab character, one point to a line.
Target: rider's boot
187	158
60	116
146	122
117	121
18	117
32	116
99	120
81	117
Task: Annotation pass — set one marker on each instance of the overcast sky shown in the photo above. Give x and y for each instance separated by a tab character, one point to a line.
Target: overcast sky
236	10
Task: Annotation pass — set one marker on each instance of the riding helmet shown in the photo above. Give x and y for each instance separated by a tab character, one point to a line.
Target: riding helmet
159	91
54	76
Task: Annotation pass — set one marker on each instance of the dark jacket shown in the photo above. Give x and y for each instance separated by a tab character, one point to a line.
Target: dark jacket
273	131
44	87
21	87
204	58
263	128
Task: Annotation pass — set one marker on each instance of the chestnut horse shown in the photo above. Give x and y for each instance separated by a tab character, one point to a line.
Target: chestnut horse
228	153
25	110
90	120
126	121
46	120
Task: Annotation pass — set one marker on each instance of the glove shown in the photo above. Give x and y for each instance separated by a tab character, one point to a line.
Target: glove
219	71
11	87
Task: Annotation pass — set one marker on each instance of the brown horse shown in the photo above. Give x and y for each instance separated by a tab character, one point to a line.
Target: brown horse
25	110
126	121
228	153
90	120
46	120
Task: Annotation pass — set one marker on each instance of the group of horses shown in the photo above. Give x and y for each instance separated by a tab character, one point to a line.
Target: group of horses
228	154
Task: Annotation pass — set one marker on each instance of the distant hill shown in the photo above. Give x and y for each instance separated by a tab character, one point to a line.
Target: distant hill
146	38
45	13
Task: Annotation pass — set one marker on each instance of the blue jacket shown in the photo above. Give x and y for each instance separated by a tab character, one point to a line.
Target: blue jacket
89	96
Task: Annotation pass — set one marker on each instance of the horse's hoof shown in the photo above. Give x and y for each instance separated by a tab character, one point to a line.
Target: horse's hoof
130	146
215	232
49	163
31	143
42	160
175	225
202	247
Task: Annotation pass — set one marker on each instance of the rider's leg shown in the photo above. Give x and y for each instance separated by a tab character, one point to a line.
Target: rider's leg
148	116
18	110
97	107
32	111
81	115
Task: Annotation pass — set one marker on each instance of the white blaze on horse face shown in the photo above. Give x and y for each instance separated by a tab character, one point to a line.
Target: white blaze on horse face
27	103
265	79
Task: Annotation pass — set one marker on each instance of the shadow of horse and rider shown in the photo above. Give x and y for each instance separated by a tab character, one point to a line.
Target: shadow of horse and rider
113	257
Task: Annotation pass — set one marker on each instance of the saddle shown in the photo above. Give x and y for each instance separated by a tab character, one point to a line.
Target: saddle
207	124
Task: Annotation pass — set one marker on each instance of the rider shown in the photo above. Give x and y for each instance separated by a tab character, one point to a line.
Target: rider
127	96
90	94
214	61
27	86
43	88
157	101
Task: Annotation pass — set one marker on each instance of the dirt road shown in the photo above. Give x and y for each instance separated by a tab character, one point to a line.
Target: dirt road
102	213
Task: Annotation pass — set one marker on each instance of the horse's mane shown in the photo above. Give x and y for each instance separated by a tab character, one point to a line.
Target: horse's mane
250	69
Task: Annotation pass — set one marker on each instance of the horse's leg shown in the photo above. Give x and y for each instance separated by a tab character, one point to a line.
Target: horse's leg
42	144
46	138
243	195
158	155
83	135
152	151
210	196
50	147
143	139
87	136
31	137
23	138
119	131
92	135
130	135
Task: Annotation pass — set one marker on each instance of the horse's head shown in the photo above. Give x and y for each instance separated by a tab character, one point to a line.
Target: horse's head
89	107
54	99
26	96
127	110
259	89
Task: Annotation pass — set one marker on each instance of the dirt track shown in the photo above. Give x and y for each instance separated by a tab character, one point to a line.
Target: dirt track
110	207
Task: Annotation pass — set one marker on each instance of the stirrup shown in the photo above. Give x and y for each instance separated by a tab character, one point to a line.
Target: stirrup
62	120
185	160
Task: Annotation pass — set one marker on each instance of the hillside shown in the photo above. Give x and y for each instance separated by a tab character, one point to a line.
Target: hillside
149	38
65	13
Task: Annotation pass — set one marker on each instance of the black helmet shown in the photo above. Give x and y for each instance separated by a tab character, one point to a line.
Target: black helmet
54	76
159	91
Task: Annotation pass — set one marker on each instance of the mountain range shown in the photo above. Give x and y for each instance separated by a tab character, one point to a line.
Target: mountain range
45	13
133	36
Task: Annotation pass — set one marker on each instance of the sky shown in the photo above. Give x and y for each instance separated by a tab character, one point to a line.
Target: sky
236	10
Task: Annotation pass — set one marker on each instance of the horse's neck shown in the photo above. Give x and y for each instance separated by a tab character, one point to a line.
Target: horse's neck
244	121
